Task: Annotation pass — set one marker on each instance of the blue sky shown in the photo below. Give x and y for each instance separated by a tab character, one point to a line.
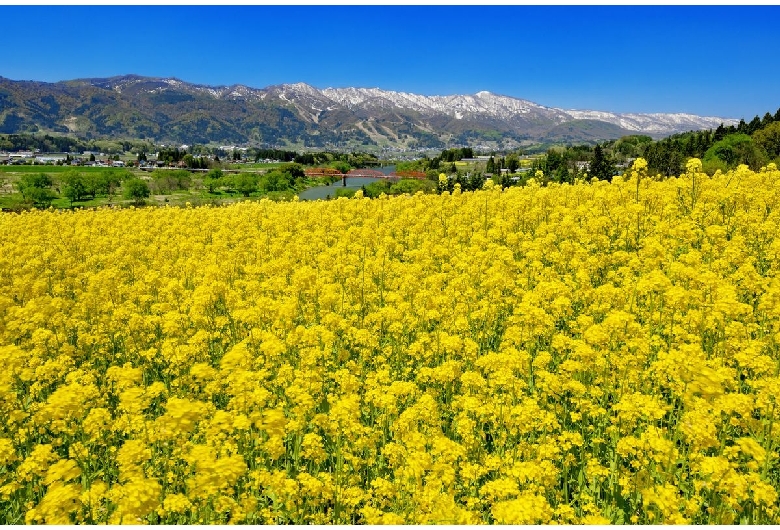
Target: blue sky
706	60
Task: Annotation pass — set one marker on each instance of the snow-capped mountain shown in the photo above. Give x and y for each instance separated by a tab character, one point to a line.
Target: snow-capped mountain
655	123
508	108
168	109
484	102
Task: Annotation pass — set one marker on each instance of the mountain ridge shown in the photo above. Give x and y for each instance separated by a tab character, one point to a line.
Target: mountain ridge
168	109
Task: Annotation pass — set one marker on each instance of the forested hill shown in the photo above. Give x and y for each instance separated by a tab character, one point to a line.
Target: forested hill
755	144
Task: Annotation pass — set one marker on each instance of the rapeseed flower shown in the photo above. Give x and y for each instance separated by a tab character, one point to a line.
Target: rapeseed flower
580	353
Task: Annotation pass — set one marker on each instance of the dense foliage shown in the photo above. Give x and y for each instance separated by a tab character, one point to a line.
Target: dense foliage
585	353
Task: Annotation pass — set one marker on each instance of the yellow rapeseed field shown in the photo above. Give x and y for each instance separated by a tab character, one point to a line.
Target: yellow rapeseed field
588	353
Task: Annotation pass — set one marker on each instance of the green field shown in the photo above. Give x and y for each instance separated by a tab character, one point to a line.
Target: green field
195	194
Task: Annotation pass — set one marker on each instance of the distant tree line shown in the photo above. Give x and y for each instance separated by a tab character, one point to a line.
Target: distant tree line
174	155
67	144
272	154
453	155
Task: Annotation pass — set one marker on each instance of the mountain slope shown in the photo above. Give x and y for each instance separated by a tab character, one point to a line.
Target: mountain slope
171	110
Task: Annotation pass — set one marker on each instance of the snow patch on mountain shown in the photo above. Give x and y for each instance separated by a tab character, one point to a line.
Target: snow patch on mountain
658	123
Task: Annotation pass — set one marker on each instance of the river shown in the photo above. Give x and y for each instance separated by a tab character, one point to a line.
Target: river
329	192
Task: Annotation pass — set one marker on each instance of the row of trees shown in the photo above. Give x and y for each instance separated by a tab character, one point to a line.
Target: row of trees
66	144
174	155
193	154
353	159
40	189
78	186
271	154
287	177
459	153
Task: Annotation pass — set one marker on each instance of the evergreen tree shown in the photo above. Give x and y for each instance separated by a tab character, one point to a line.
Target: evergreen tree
475	181
562	174
720	133
601	166
754	125
491	165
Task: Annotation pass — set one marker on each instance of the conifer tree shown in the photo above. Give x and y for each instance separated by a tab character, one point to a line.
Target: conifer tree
601	166
491	165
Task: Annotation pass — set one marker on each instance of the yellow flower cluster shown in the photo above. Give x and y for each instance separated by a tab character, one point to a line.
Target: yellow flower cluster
588	353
